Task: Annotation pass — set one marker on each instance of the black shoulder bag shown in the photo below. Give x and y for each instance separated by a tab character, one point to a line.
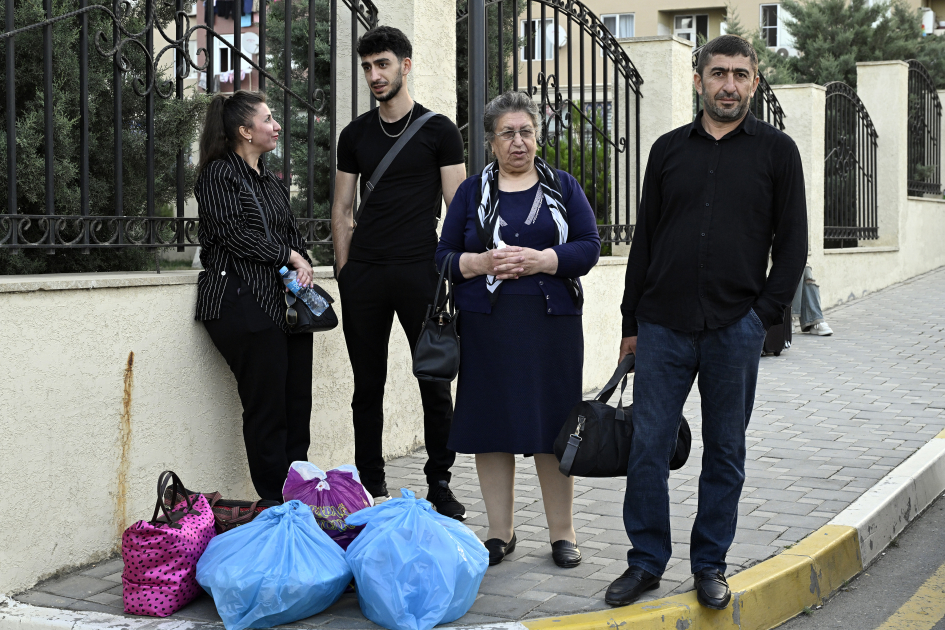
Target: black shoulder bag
595	439
436	355
300	319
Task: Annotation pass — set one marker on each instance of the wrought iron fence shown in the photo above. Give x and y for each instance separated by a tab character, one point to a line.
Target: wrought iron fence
764	104
925	133
850	189
562	54
128	37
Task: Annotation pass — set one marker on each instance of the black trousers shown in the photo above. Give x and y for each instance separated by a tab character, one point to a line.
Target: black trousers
273	373
370	295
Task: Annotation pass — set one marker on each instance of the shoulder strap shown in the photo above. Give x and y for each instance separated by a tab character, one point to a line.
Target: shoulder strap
388	159
258	207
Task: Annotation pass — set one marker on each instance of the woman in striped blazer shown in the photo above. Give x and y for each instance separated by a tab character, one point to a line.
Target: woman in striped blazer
240	293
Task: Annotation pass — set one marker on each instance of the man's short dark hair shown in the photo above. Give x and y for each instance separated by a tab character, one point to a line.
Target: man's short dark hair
728	46
382	38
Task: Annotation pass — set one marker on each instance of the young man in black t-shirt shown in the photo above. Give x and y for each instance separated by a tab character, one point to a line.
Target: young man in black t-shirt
386	265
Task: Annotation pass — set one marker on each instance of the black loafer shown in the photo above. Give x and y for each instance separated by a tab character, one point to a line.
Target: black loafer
565	554
628	587
498	549
711	589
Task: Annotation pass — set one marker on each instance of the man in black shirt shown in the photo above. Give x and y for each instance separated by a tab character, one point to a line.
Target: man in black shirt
385	266
718	195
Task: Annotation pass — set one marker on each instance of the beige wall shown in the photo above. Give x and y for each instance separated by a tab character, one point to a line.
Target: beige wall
85	429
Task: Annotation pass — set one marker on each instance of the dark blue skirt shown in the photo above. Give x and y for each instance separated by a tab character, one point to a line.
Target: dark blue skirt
519	376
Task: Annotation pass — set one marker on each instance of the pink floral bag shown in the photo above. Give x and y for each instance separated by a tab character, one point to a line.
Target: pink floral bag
161	555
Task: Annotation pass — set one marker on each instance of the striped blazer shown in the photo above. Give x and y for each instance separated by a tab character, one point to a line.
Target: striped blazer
233	238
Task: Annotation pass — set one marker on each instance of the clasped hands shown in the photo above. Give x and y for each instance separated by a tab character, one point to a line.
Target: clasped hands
509	263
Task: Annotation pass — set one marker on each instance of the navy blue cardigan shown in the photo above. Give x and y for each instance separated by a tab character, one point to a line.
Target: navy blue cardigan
575	258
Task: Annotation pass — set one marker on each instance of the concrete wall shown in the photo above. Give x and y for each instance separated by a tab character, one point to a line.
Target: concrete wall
911	229
108	380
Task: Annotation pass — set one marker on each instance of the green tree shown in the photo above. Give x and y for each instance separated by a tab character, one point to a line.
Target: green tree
176	123
498	61
832	36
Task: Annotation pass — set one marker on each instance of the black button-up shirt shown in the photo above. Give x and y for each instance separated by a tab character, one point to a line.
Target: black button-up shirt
710	212
233	237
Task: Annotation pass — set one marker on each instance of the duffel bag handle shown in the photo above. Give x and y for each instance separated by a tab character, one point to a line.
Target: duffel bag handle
622	370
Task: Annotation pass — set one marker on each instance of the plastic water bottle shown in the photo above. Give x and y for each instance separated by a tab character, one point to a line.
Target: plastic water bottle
313	300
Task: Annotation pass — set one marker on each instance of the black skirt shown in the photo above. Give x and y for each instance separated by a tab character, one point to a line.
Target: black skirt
519	376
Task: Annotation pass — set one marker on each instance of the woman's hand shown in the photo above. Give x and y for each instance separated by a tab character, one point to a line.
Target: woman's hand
303	270
509	263
525	261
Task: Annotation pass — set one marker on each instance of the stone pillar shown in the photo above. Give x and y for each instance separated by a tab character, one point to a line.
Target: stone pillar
883	86
804	117
431	28
665	63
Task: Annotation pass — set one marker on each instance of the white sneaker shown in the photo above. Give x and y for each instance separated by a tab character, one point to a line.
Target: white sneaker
821	329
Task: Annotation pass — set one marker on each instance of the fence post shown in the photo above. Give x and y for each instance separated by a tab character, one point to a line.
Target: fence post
804	106
883	87
941	97
665	64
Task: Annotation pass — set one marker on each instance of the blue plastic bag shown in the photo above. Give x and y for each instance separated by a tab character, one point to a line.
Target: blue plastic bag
278	568
414	568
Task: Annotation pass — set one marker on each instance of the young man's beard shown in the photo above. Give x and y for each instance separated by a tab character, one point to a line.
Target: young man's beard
394	89
719	114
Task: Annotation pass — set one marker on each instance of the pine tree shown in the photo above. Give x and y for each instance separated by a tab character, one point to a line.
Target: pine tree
832	36
176	124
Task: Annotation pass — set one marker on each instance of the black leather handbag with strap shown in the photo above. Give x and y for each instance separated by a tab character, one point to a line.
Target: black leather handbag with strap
595	440
436	355
300	317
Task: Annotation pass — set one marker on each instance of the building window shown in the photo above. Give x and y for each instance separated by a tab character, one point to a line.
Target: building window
222	57
620	25
192	49
695	28
532	49
769	25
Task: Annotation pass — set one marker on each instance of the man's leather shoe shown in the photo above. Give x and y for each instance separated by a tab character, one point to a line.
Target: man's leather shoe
628	587
565	554
711	589
498	549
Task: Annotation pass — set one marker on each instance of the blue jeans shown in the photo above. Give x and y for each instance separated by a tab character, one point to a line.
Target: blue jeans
667	363
807	301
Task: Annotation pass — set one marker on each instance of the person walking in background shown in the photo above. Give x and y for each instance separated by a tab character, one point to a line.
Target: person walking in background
240	292
385	266
718	195
525	233
807	306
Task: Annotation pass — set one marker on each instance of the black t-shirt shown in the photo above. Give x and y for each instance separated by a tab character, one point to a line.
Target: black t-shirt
398	224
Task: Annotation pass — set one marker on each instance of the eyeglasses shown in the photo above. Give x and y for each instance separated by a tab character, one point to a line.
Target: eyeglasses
524	134
291	316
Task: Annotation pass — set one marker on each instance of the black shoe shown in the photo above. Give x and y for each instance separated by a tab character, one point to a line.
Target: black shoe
565	554
445	501
498	549
378	491
628	587
711	589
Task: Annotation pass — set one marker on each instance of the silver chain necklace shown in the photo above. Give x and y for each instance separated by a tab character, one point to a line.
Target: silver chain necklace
395	135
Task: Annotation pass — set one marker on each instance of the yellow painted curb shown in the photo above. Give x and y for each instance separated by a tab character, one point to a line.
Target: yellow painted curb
763	596
941	436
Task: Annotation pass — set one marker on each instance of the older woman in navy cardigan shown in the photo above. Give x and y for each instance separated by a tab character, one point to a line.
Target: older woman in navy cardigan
524	233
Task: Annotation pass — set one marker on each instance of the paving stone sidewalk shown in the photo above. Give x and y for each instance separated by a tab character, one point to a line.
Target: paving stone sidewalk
833	415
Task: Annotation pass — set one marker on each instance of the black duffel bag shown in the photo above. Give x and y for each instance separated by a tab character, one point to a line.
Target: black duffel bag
595	439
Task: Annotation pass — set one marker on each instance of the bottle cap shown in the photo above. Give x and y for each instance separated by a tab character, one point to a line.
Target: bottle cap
283	271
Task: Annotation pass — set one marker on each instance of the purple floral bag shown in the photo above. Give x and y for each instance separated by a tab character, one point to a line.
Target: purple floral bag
331	495
161	555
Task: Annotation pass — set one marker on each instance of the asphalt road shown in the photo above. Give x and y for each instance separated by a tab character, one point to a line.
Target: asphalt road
903	590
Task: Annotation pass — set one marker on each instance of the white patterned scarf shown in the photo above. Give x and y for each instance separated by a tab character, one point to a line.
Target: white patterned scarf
488	222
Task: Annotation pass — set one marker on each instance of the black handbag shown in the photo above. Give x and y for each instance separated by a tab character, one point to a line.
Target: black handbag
300	319
595	439
436	355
